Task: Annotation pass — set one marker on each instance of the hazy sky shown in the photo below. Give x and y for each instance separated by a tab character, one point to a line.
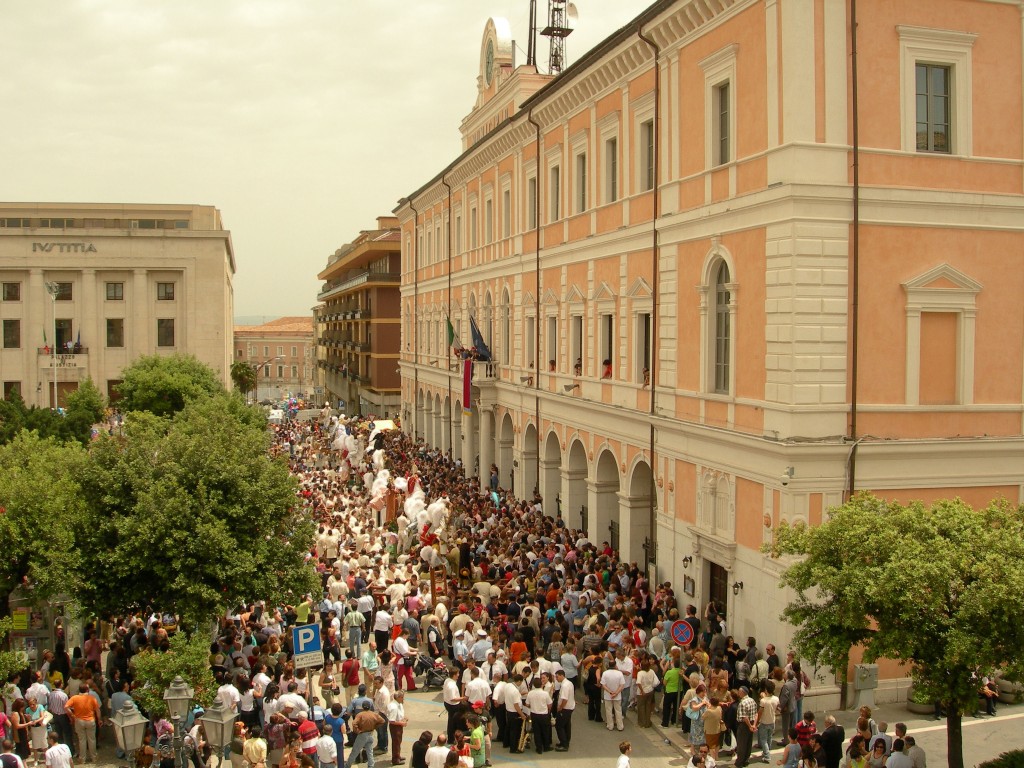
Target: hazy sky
302	120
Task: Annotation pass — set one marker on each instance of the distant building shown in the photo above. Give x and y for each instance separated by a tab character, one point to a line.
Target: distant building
126	281
283	352
359	321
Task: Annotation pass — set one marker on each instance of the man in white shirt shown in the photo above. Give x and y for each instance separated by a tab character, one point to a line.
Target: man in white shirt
452	699
477	689
612	684
292	699
514	714
625	665
565	704
229	697
538	704
436	755
58	755
396	726
327	748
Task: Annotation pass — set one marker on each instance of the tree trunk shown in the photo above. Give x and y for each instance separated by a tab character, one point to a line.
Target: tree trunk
954	739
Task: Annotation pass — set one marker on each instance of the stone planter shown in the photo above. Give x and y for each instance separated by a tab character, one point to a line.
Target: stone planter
918	709
1010	693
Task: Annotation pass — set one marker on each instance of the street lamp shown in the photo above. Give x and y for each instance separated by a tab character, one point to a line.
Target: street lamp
178	697
129	728
53	289
258	368
220	726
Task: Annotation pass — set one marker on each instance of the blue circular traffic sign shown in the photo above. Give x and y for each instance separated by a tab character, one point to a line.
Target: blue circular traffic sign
682	632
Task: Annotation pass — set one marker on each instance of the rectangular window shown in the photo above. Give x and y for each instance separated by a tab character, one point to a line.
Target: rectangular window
165	332
266	351
576	342
643	347
14	222
506	213
611	170
581	182
554	193
280	371
607	342
531	203
472	228
933	111
12	292
165	291
239	353
10	387
115	333
488	222
938	382
295	351
280	351
12	334
458	234
266	370
722	155
295	371
65	335
531	342
115	291
65	291
647	156
552	346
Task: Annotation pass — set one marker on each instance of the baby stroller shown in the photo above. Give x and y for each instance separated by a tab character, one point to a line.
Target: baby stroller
434	671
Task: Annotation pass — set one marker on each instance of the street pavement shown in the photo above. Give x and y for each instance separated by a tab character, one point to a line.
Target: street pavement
593	746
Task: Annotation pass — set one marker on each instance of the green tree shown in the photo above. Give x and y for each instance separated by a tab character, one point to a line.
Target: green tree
85	407
155	670
16	416
39	499
164	384
243	375
191	515
9	661
939	588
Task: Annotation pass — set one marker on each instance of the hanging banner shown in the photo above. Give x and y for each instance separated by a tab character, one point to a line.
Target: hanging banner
467	386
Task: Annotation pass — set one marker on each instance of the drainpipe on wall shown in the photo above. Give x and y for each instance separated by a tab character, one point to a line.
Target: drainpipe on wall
655	254
855	267
447	359
536	299
415	318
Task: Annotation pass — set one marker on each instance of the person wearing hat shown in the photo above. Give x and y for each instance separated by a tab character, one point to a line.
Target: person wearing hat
364	725
459	650
481	647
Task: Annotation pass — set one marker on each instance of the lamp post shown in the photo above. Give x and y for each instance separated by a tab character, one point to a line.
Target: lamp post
53	289
129	728
258	368
220	725
179	700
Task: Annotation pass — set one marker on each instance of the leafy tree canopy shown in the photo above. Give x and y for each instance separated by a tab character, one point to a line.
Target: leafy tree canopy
938	587
243	375
156	670
39	495
164	384
16	416
85	407
190	515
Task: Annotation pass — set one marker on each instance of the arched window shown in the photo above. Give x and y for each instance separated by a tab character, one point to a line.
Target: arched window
723	330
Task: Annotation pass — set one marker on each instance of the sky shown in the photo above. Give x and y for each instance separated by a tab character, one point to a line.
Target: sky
301	120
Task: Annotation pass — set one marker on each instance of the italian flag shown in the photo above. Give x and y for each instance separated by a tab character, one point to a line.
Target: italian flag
453	340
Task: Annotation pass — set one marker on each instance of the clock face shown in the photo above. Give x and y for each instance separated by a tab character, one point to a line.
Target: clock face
489	62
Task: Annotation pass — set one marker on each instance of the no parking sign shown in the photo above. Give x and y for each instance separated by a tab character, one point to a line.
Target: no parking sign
682	632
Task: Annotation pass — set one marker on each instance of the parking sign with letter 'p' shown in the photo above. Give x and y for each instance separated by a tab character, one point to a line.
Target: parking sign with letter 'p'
306	639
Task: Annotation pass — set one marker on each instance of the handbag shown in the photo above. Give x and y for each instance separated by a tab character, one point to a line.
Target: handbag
693	714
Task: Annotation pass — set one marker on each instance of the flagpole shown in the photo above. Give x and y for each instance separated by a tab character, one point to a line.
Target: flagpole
52	289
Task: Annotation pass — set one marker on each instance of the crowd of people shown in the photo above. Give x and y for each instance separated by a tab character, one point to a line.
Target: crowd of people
430	579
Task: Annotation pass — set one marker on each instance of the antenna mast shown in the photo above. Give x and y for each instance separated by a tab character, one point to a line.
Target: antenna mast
531	46
559	13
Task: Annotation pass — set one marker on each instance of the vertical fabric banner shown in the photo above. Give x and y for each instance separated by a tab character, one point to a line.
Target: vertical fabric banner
467	386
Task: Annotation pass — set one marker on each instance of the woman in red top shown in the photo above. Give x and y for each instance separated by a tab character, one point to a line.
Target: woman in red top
518	648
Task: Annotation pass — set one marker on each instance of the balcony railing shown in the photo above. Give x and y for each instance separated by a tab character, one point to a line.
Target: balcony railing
68	353
336	287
